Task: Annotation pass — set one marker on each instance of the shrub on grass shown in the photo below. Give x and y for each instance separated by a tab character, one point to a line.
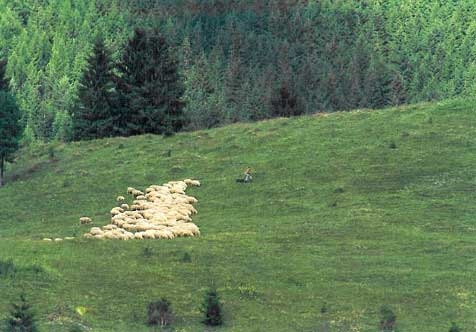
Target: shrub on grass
339	190
7	268
186	258
324	309
388	321
21	318
454	327
392	145
212	308
147	252
159	313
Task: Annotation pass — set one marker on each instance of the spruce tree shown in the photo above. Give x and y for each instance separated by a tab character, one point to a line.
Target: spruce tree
286	103
149	85
21	317
3	80
96	114
10	130
212	309
204	106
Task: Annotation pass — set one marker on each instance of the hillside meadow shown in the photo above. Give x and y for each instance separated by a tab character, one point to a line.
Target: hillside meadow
347	212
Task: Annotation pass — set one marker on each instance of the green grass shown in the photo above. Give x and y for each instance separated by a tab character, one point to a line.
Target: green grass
350	211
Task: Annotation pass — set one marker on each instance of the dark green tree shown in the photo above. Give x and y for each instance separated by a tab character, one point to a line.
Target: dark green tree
21	318
149	85
212	308
454	327
159	313
10	130
3	79
388	319
286	102
96	114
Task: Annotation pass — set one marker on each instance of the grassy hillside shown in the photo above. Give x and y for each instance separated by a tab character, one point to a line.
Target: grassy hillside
349	211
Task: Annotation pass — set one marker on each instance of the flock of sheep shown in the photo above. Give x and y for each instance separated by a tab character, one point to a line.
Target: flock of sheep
162	212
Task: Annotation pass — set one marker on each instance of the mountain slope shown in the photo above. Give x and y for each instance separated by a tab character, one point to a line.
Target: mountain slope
350	211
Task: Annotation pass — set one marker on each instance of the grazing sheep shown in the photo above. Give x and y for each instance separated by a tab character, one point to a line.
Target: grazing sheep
96	231
164	234
85	220
109	227
149	234
110	235
164	212
69	238
47	239
114	213
58	239
136	193
193	183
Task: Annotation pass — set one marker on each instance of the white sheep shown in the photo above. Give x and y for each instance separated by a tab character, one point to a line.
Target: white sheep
164	212
96	231
149	234
193	183
85	220
136	193
109	227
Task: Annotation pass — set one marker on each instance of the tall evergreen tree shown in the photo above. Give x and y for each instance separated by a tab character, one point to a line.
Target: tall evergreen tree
10	127
3	80
286	102
96	114
10	130
204	106
150	86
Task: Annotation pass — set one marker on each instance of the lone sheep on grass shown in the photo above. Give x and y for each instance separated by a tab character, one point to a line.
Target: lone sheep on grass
85	220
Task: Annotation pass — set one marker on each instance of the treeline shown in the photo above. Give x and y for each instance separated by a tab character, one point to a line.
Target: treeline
246	60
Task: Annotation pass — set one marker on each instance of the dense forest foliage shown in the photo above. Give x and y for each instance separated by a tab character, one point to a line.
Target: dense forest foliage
245	60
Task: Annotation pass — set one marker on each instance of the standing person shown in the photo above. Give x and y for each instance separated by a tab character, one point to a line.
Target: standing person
248	177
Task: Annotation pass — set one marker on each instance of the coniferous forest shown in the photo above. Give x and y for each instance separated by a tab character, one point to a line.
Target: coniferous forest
165	66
